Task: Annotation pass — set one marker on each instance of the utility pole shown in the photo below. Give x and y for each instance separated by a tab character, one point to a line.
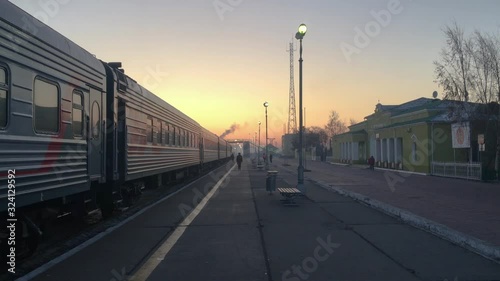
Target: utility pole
292	118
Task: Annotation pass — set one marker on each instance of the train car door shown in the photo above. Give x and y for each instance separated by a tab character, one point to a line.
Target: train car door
95	158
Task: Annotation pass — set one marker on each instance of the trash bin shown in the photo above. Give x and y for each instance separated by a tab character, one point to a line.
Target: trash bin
271	180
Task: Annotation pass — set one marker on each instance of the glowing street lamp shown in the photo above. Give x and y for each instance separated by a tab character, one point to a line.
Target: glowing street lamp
266	104
300	170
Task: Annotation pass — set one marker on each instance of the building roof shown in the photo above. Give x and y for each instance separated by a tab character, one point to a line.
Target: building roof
446	111
406	107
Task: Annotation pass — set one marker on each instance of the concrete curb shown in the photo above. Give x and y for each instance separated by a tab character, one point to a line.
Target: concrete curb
470	243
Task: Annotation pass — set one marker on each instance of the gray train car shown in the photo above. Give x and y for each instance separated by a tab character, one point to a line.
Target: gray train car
151	137
210	146
51	112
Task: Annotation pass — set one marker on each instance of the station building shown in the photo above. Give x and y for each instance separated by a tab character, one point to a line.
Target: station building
422	136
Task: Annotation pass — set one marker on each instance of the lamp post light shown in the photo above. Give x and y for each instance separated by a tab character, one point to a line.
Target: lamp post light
300	170
266	104
258	149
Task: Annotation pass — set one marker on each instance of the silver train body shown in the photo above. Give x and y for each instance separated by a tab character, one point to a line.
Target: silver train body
71	124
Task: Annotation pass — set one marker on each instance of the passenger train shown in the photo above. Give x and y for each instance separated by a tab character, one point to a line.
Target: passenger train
75	129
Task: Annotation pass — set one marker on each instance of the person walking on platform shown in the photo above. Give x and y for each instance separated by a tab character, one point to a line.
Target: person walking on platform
232	157
239	159
371	162
271	158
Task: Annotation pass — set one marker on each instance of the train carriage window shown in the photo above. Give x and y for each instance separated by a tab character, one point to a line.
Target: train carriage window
46	102
160	134
179	136
167	134
77	113
3	97
183	137
173	135
149	129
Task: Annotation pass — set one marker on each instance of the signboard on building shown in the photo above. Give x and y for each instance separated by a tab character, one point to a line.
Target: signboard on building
480	141
460	133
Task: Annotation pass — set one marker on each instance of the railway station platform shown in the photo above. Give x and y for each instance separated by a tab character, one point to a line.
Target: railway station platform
226	226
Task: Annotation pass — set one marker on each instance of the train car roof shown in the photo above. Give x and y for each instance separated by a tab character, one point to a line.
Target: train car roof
136	87
28	26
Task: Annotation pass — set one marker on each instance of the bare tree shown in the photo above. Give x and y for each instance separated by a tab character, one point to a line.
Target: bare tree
323	135
493	45
453	71
335	125
482	79
469	71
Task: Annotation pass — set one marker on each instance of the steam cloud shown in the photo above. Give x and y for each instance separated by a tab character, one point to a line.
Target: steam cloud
231	130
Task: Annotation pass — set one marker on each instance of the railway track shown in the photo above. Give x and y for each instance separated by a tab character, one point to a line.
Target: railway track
67	231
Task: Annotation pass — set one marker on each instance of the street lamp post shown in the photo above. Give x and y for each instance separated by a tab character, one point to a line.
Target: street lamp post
255	145
258	149
300	170
266	104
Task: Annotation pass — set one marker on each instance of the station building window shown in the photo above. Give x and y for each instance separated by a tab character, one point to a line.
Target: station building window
46	103
4	88
77	114
414	154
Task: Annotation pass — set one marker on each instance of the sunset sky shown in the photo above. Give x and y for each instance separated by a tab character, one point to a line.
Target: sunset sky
219	61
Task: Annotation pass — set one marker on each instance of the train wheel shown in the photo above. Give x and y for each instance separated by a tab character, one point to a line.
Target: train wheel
29	234
107	210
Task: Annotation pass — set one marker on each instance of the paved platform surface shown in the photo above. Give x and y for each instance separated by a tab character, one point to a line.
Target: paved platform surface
470	207
244	233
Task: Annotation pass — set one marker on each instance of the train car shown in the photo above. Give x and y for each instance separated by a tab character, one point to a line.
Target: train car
209	144
228	149
52	94
151	137
52	150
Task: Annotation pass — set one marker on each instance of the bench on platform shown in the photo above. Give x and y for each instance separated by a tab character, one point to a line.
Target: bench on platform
290	193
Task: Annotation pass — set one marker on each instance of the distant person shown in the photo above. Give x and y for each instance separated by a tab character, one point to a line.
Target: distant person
239	159
371	162
264	157
232	157
271	158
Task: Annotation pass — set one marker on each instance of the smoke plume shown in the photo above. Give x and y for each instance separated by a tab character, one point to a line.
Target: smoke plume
231	130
